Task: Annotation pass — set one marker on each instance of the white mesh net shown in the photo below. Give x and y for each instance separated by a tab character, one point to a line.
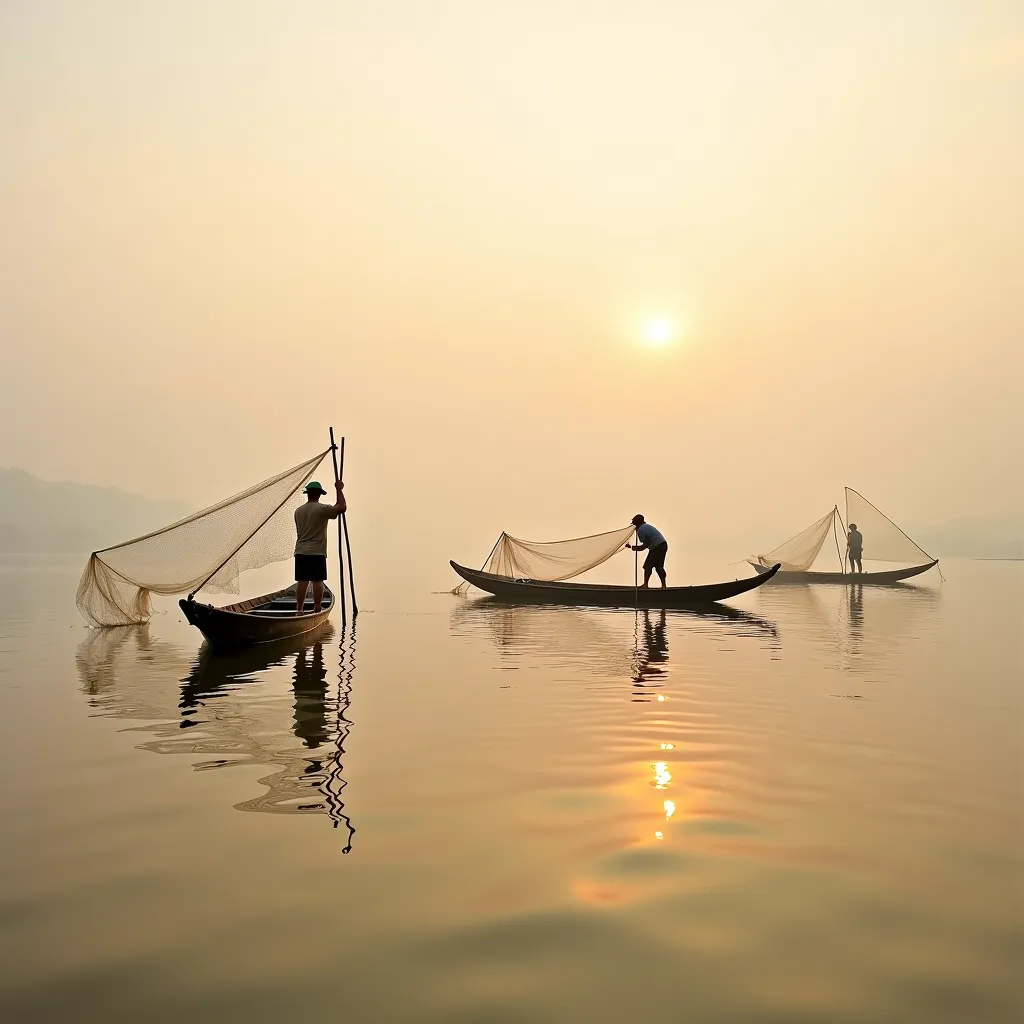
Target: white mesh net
209	549
884	541
552	560
798	553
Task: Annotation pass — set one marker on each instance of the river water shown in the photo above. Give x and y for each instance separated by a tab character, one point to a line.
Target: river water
805	808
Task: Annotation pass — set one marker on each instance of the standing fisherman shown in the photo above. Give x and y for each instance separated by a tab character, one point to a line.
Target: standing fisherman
855	548
651	541
311	522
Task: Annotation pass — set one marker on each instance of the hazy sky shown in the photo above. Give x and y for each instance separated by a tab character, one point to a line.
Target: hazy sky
445	227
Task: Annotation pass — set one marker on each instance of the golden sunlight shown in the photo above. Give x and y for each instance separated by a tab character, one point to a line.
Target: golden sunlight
658	331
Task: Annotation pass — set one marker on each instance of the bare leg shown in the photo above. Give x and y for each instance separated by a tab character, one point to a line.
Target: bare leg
664	577
647	578
301	586
318	594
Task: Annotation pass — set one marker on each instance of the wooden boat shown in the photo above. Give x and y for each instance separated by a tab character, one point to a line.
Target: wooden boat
521	591
884	578
260	620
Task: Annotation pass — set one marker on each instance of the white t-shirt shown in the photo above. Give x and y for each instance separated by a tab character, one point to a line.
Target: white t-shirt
649	535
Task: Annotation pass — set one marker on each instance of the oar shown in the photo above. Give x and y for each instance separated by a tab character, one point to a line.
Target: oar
348	549
341	564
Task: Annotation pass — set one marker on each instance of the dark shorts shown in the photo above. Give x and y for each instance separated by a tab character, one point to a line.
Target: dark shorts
656	558
310	568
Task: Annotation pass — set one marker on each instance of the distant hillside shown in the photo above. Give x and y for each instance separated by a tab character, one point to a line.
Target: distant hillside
974	537
37	516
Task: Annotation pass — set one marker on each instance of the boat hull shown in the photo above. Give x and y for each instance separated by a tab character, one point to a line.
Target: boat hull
260	620
875	578
592	594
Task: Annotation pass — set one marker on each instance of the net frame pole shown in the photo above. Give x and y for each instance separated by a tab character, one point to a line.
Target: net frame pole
341	563
835	533
348	547
846	533
885	517
305	480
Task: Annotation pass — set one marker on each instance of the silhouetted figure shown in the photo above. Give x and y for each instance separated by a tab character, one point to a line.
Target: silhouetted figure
855	548
310	685
649	539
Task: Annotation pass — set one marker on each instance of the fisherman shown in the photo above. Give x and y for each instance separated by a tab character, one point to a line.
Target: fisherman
855	548
311	522
651	541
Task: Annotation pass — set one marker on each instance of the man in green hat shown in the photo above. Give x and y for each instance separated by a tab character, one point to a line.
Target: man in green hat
311	522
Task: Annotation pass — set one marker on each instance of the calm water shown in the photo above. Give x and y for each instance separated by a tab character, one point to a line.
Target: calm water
806	809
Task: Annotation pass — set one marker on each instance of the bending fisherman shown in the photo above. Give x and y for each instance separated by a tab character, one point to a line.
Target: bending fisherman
649	539
311	522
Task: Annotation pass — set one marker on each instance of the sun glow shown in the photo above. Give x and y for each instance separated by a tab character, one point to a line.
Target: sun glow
658	331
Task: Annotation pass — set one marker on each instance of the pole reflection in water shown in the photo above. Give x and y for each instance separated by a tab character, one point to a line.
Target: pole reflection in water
229	709
335	781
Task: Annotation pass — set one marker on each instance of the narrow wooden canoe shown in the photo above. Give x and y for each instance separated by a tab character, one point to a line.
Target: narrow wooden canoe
541	592
260	620
891	576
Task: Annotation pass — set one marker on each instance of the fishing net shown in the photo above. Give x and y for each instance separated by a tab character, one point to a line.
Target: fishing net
884	541
551	560
209	549
798	553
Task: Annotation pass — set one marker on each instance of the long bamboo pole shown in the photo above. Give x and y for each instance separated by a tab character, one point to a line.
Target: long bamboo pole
846	534
636	572
341	563
348	547
835	533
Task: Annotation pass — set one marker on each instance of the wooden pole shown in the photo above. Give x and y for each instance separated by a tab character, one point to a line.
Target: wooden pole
341	564
636	572
835	533
843	525
348	548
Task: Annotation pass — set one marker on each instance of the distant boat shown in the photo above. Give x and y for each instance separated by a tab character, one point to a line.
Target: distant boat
884	541
260	620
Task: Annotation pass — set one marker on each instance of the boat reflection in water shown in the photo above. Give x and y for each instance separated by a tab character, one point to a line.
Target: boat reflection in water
600	638
229	711
858	628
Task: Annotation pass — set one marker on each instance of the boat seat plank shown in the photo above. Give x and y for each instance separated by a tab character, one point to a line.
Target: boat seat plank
283	613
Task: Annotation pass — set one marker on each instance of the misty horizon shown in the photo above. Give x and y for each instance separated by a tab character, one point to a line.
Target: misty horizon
545	268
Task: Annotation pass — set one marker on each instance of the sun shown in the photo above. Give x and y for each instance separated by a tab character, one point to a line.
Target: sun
658	331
